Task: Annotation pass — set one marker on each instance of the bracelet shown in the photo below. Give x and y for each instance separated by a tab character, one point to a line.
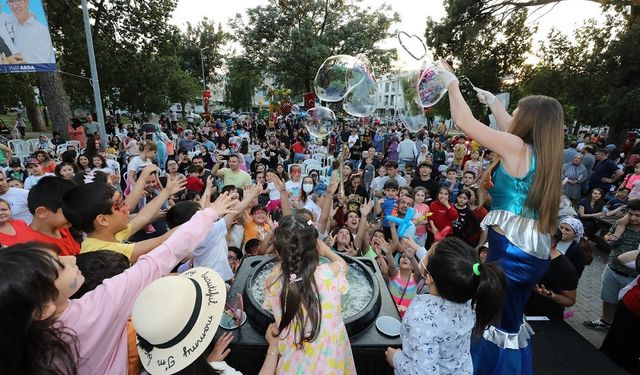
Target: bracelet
275	354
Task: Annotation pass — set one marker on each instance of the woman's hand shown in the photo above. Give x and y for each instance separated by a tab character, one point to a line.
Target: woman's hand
269	336
220	350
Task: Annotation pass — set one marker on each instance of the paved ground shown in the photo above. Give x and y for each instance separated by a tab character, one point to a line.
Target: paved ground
588	304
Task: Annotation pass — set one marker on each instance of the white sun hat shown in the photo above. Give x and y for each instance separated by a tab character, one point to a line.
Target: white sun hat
176	317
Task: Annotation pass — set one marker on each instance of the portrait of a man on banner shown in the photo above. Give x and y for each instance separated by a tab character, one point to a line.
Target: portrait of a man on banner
24	37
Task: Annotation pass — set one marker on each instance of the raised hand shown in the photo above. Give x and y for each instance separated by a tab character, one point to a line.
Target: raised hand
175	184
485	97
224	204
365	208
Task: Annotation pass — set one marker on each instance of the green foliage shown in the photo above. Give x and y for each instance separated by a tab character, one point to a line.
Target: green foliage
16	88
486	52
290	39
242	79
143	62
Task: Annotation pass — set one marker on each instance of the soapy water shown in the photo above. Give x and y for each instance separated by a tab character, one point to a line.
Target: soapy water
354	301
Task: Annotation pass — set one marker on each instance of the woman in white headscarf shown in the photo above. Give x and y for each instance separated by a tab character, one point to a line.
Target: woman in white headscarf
572	232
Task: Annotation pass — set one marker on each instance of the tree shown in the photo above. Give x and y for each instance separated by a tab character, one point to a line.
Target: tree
290	39
204	35
495	52
242	79
18	88
141	58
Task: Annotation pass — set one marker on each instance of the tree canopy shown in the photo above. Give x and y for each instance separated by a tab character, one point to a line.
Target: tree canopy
289	39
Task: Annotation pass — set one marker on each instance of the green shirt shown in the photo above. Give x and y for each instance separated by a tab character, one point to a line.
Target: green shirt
629	241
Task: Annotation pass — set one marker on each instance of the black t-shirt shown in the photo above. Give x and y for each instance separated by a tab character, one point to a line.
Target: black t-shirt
466	224
254	164
431	185
576	256
560	277
602	169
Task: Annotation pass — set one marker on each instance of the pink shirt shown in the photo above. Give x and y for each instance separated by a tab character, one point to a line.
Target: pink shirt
99	318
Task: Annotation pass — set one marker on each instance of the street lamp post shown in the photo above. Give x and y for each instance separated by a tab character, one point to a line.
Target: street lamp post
204	80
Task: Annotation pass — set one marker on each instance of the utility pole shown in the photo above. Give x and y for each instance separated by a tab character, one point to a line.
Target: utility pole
94	75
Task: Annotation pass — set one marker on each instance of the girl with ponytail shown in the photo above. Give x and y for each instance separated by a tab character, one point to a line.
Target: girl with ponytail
437	327
305	298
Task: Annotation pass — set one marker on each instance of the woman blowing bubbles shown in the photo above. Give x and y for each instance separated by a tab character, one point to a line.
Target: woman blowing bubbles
525	186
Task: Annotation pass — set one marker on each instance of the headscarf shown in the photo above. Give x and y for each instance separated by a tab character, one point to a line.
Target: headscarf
576	225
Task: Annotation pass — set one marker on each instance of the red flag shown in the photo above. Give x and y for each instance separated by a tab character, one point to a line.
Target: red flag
310	99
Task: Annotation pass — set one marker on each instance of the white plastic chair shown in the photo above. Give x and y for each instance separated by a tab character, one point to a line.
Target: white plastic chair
321	158
20	149
33	145
310	164
61	148
74	143
324	171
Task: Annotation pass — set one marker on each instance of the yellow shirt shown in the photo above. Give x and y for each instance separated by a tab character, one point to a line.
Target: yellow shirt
93	244
239	178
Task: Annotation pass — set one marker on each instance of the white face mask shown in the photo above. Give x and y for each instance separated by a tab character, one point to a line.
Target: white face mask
308	188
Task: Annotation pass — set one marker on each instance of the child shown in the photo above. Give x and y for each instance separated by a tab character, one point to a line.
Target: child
386	205
452	183
437	327
49	224
420	214
443	215
102	213
313	339
466	225
16	171
35	173
194	182
257	226
66	170
474	164
403	282
99	163
87	335
148	151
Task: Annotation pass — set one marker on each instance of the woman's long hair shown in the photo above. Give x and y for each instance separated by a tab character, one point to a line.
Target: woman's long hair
295	242
539	121
451	267
32	345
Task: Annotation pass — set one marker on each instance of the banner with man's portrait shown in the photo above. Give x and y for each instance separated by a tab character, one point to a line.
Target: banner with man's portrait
25	43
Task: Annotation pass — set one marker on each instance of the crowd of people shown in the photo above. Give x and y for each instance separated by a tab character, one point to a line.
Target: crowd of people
94	230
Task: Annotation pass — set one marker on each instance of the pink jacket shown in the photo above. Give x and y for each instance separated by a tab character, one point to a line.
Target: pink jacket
99	318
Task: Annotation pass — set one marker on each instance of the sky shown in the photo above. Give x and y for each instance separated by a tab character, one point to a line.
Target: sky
566	16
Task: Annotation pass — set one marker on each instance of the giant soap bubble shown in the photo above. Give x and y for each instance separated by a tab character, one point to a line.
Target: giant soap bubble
361	100
295	109
431	87
320	121
408	107
331	79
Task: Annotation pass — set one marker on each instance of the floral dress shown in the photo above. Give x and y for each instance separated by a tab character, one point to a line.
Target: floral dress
330	352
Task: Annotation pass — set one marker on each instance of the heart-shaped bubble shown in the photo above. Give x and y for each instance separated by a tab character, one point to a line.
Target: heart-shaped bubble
413	45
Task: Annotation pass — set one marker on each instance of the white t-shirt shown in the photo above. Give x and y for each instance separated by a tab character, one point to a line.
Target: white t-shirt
31	181
213	251
136	163
274	194
17	199
294	188
114	166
